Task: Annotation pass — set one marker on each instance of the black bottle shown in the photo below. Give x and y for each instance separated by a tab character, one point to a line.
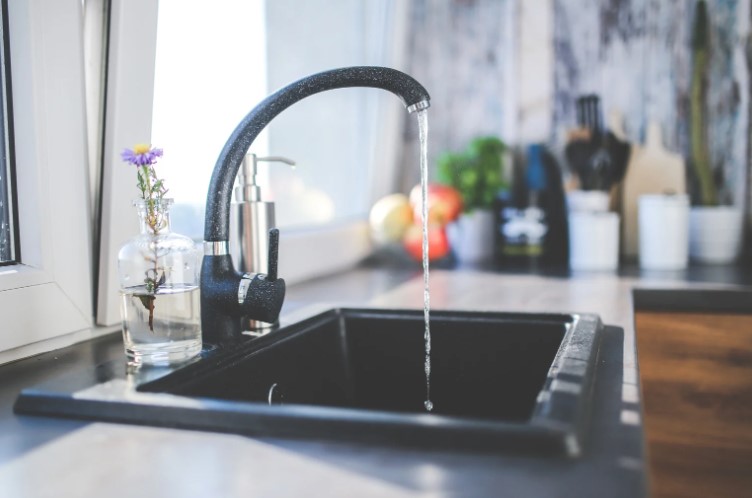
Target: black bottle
556	245
531	220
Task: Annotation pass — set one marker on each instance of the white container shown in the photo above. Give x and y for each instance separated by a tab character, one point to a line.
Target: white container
715	234
663	228
588	200
472	236
593	241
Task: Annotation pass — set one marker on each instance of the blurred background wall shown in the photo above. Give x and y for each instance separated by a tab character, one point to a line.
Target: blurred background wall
514	68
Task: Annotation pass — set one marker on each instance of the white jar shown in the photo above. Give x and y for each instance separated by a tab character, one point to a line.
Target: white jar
663	224
593	241
715	234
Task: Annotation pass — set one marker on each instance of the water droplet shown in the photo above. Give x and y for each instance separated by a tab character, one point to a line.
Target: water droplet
428	404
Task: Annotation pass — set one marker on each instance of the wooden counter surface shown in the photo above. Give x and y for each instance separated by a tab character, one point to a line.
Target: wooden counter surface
696	373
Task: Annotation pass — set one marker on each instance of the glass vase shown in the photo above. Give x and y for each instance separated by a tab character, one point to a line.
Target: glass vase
159	290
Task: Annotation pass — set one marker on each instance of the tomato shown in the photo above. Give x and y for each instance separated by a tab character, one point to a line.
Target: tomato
438	243
444	203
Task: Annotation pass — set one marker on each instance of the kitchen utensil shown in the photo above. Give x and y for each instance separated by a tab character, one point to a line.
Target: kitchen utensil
652	170
600	160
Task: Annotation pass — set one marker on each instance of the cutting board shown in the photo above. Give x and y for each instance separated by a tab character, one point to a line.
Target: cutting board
652	169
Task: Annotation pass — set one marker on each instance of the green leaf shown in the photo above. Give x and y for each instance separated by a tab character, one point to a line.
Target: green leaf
476	172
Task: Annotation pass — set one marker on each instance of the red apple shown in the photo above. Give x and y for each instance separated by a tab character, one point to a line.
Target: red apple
438	244
444	203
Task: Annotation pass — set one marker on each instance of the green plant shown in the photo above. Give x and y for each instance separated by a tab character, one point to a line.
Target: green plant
475	172
698	120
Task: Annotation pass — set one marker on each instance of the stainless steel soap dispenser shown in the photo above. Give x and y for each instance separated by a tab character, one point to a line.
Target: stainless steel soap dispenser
251	219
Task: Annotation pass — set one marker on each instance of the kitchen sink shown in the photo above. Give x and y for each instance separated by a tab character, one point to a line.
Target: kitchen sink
499	381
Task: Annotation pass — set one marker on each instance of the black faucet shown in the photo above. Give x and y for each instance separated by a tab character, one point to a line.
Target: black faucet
227	295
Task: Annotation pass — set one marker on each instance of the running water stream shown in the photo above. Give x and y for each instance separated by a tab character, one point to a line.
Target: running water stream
423	133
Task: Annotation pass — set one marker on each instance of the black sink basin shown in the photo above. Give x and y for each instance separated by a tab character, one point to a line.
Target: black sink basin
498	380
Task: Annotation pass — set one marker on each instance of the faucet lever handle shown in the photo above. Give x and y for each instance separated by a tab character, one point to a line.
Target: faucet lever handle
273	254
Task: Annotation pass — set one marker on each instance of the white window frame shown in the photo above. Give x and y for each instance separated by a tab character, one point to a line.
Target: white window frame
127	121
129	112
49	294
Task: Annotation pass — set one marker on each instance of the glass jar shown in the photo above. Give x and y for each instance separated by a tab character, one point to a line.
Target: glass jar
159	290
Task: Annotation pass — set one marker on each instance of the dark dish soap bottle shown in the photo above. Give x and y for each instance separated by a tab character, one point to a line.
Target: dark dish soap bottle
503	202
531	223
554	203
523	224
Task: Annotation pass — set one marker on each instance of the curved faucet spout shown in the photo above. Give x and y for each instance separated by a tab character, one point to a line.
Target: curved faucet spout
217	220
226	295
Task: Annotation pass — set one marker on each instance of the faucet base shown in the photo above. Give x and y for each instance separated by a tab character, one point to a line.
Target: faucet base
256	328
221	313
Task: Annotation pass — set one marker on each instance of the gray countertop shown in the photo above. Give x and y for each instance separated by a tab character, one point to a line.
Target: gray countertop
54	457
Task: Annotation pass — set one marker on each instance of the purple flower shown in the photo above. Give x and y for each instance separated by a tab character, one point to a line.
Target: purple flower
141	155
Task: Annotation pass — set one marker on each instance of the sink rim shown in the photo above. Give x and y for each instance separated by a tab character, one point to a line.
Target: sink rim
558	424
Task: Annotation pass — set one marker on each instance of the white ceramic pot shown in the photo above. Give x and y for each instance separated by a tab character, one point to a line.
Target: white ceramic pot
593	241
715	234
471	236
663	228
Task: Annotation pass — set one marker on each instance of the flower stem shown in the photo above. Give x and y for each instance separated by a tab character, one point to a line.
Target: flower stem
144	156
154	223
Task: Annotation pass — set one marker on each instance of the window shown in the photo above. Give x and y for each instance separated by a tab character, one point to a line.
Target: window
335	137
203	86
7	232
46	284
200	78
47	292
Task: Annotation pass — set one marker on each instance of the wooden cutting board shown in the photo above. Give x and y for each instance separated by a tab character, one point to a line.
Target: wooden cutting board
652	169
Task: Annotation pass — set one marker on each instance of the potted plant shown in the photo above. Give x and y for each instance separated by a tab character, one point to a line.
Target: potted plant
715	230
477	173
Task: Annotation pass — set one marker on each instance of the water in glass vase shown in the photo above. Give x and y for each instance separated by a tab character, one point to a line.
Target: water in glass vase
161	328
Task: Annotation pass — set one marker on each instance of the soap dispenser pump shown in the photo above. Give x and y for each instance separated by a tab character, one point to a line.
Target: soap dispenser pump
251	220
